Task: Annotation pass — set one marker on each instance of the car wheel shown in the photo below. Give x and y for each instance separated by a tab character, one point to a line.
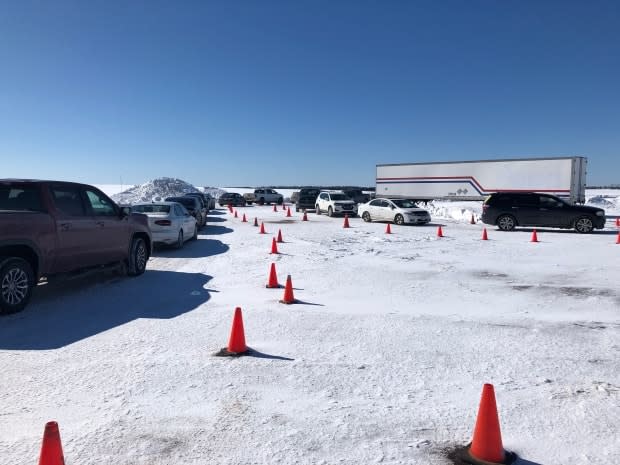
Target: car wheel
195	236
584	225
138	256
398	219
506	222
280	200
179	242
330	212
318	209
366	217
261	201
16	284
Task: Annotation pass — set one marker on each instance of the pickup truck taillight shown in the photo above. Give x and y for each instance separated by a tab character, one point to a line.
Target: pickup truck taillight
163	222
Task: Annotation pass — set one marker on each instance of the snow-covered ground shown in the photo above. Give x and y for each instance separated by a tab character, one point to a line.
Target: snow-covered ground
382	361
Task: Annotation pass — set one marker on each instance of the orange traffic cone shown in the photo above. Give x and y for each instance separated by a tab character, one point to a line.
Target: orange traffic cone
262	228
51	449
275	209
618	238
288	298
305	217
487	441
388	229
484	235
617	222
236	216
283	206
439	232
288	212
274	246
230	207
244	220
534	236
236	342
279	236
473	220
273	277
255	221
346	221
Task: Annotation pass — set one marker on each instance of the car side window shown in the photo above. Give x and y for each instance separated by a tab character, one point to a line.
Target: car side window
375	203
526	201
68	200
25	198
384	204
323	196
178	211
100	205
549	202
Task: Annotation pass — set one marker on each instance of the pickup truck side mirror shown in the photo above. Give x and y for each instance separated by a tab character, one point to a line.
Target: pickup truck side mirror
125	211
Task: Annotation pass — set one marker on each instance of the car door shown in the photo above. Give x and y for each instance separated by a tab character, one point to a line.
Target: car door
386	213
323	200
112	230
525	209
551	211
75	229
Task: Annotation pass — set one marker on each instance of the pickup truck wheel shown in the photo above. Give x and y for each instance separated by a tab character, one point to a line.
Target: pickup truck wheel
179	242
330	212
506	222
584	225
138	256
16	284
366	217
261	201
318	209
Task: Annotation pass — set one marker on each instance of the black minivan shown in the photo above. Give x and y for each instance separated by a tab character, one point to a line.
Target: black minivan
510	209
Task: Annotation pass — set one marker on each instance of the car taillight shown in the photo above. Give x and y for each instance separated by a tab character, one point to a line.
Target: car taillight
163	222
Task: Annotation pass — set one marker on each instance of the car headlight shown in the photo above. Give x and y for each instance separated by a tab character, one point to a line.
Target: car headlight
600	213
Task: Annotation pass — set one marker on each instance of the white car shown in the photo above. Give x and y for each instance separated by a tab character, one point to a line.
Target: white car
170	222
399	211
335	203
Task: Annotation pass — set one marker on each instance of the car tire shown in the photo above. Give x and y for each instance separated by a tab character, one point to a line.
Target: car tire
16	284
318	209
138	256
330	212
584	225
280	201
180	240
261	201
366	217
399	219
195	236
506	222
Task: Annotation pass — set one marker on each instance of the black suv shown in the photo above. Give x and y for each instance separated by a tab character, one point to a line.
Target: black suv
509	209
306	198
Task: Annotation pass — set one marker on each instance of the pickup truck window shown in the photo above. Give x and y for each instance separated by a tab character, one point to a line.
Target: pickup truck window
68	200
100	205
20	198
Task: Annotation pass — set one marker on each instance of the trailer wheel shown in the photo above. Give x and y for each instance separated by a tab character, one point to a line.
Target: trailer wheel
506	222
584	225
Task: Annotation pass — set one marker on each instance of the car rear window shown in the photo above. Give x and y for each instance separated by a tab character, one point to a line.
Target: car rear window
151	208
187	201
26	198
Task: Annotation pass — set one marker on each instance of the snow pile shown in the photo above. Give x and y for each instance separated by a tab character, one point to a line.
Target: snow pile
214	192
609	202
154	190
458	211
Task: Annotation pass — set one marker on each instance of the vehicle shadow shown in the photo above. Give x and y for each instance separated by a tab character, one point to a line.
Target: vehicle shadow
193	249
66	312
220	211
217	219
213	230
561	231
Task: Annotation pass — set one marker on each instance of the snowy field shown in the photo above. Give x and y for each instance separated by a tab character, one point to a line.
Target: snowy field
382	361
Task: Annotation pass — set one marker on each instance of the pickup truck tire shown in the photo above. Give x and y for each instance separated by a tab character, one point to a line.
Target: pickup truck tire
318	209
138	256
261	201
16	284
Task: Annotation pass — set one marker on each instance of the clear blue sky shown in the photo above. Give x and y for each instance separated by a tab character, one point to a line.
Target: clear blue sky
302	92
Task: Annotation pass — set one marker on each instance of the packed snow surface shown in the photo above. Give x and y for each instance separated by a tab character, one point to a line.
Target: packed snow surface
382	360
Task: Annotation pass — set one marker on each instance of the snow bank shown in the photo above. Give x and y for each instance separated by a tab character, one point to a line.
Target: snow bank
154	190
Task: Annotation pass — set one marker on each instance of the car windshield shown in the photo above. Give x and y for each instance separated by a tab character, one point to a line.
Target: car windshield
339	197
151	208
404	203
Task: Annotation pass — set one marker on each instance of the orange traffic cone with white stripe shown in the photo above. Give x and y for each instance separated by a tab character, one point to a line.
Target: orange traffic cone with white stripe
273	277
346	221
534	236
486	444
51	448
288	298
388	229
484	235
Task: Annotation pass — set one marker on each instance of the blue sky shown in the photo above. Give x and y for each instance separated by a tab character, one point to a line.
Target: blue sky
295	92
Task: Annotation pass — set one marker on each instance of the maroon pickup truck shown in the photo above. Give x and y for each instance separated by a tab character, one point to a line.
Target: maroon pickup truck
50	228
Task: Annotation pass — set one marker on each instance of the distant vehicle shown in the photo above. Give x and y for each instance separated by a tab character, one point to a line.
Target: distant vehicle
170	222
306	198
231	198
508	210
207	199
399	211
356	195
264	196
53	228
473	180
294	197
193	206
210	200
204	204
334	203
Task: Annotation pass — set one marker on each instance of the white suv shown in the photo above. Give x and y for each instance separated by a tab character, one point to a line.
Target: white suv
335	203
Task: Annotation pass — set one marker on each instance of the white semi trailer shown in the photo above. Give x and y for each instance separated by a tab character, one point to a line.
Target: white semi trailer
475	180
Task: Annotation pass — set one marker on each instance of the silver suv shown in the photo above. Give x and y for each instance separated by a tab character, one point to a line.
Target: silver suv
335	203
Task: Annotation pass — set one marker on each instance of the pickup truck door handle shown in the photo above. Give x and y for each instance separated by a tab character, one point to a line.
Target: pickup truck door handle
65	226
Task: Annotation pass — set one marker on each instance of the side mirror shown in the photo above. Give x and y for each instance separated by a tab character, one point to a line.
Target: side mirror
125	211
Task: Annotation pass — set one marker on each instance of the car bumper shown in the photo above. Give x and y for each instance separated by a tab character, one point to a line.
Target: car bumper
417	219
165	237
